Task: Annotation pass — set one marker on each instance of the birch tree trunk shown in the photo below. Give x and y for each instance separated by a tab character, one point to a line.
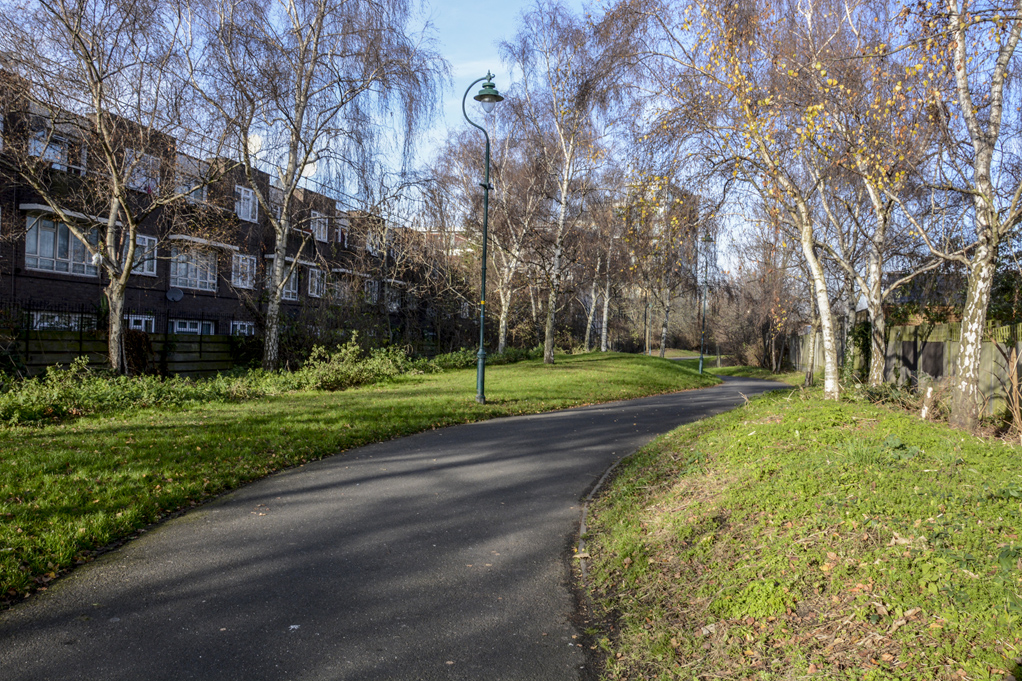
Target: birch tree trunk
831	388
606	313
505	303
663	329
115	325
591	311
966	399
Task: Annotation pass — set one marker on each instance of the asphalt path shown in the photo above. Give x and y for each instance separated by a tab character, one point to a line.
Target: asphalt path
443	555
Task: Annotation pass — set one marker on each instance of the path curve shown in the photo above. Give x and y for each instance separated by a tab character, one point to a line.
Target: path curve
435	556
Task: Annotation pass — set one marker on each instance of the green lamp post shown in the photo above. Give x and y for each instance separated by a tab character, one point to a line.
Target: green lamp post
707	239
488	97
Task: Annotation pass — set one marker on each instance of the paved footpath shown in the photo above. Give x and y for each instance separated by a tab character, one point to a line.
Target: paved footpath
437	556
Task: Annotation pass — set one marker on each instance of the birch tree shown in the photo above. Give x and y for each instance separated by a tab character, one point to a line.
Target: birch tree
967	52
572	71
303	86
105	129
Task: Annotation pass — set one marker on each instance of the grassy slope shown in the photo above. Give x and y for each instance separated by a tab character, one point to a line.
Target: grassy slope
796	537
68	489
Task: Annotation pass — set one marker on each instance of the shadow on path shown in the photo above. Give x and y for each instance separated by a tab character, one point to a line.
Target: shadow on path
436	556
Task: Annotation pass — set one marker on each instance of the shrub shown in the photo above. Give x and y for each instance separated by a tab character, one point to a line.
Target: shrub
78	389
512	355
459	359
350	366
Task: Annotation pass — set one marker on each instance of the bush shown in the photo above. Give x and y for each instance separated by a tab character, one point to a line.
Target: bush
78	389
350	366
459	359
512	355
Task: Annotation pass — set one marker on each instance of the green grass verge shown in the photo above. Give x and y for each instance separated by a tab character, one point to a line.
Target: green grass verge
69	489
709	366
798	537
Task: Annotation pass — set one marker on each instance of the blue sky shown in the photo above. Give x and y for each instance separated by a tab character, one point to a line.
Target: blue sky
468	34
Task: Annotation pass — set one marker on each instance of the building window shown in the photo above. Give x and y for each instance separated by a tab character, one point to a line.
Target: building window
243	271
145	255
339	291
191	268
374	244
372	291
141	322
63	321
277	201
57	150
246	206
51	246
342	232
291	287
191	182
191	327
143	171
290	291
319	226
317	283
393	300
243	328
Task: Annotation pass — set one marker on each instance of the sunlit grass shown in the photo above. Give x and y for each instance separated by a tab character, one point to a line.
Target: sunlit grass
797	537
710	366
69	489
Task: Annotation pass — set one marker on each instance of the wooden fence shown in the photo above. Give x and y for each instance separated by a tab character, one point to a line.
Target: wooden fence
186	355
929	352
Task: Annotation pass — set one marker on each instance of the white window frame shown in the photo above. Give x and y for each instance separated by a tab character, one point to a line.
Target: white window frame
317	282
191	327
372	291
56	149
374	244
277	201
67	254
144	263
393	297
342	232
243	271
338	291
190	178
320	226
143	171
243	328
63	321
290	291
192	268
141	322
246	205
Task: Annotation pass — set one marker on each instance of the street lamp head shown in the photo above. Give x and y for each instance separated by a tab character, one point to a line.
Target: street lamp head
488	96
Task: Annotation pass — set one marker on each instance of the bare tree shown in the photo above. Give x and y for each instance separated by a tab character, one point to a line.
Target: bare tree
662	233
571	72
107	138
967	50
299	83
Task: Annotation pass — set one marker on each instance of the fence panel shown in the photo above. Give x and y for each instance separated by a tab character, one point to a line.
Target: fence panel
931	352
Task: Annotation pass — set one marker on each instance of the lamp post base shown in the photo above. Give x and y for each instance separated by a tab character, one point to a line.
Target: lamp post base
481	375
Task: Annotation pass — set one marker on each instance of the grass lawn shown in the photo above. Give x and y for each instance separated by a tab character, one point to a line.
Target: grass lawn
70	489
710	366
798	538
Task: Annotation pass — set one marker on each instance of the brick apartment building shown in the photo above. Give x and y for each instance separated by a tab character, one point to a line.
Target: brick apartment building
201	261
